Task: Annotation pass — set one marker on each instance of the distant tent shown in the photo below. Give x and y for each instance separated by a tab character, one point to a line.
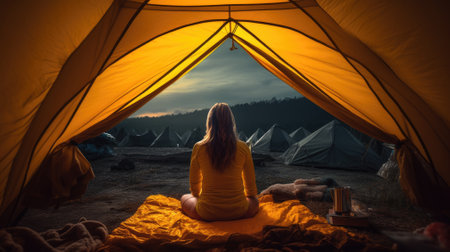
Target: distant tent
255	137
103	139
93	152
299	134
133	132
126	142
167	138
185	136
141	131
98	147
194	136
143	140
242	136
121	134
113	131
178	135
332	146
274	140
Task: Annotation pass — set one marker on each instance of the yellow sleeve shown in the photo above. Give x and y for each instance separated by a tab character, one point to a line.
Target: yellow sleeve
195	174
248	174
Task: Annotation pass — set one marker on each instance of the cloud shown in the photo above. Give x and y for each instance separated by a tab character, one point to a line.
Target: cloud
157	114
225	76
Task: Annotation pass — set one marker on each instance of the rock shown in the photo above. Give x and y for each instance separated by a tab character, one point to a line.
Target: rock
124	165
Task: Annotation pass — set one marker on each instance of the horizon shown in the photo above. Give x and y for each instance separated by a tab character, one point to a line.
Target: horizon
157	115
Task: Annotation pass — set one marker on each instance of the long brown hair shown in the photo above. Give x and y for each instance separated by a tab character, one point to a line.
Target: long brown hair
220	137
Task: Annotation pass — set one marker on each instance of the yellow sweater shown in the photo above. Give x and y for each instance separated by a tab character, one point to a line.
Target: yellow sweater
222	195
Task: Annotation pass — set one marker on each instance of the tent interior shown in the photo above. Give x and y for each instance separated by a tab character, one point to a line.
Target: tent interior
381	68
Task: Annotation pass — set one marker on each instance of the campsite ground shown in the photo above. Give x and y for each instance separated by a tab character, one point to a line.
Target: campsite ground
114	196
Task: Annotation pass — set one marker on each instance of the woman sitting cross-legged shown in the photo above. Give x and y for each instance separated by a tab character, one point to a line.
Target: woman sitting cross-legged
222	176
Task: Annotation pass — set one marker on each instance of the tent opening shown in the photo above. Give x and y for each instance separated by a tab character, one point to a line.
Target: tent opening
361	66
261	100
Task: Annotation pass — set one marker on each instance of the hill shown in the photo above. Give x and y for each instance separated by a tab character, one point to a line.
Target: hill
289	113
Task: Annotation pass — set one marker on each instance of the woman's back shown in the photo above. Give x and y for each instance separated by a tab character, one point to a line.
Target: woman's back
222	194
222	176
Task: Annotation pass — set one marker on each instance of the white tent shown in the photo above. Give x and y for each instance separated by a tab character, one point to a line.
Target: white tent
185	136
242	136
255	137
274	140
332	146
299	134
167	138
194	136
143	140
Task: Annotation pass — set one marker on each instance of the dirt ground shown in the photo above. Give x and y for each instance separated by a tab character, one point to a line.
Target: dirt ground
113	196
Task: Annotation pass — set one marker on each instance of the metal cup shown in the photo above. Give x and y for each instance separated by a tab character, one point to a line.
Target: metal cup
342	200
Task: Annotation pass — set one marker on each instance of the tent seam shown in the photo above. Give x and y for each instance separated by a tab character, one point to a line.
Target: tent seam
222	5
43	132
345	57
37	109
91	83
160	89
384	88
125	54
168	72
162	34
296	70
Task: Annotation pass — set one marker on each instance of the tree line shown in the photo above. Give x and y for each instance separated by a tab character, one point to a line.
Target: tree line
289	113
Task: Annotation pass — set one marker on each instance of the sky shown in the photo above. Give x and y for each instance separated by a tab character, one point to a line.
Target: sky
225	76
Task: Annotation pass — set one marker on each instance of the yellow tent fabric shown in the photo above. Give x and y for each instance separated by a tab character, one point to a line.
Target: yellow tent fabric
71	69
159	219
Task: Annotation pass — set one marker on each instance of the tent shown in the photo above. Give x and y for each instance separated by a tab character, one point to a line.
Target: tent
242	136
127	141
93	152
185	135
98	147
113	131
194	136
332	146
121	134
73	69
143	140
103	139
133	132
299	134
167	138
274	140
255	137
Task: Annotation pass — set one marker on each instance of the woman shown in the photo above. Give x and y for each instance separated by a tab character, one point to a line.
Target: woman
222	176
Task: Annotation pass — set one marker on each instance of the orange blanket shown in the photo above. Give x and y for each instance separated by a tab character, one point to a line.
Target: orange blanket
160	222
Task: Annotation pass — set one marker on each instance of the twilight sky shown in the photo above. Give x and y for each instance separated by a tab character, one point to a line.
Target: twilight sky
225	76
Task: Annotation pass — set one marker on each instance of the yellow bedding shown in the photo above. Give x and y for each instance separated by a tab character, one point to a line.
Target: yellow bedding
160	220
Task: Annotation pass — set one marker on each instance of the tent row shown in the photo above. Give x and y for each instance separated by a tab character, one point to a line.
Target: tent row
167	138
331	146
275	139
